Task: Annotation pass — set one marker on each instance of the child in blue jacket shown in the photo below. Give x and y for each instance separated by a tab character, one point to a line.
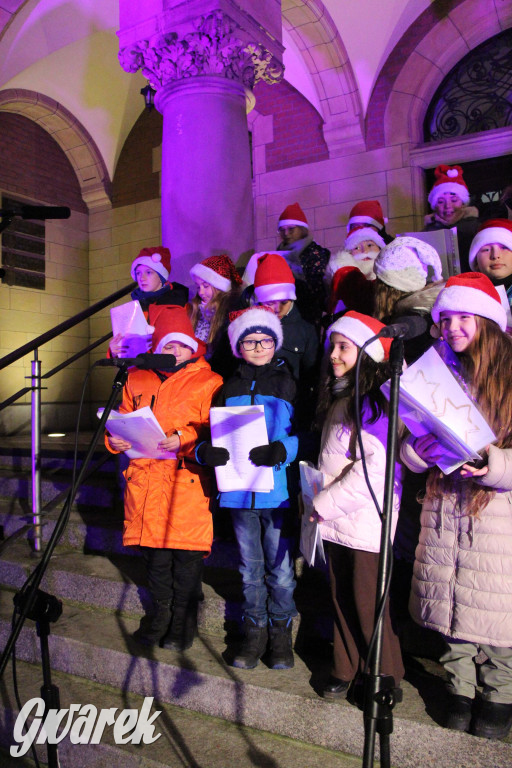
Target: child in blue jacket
262	522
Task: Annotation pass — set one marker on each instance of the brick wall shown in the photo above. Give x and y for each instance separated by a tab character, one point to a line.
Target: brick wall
33	165
297	126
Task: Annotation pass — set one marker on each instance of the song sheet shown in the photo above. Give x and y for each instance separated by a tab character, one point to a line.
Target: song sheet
141	429
311	483
128	320
433	402
240	428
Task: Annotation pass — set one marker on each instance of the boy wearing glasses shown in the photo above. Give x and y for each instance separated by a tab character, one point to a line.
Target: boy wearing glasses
263	522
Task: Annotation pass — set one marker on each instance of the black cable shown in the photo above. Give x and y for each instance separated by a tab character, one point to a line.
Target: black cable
380	610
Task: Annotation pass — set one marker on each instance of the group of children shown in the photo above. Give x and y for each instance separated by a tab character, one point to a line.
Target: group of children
462	580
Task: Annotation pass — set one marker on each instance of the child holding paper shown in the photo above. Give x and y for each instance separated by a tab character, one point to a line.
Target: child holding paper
166	501
263	522
462	583
348	518
151	270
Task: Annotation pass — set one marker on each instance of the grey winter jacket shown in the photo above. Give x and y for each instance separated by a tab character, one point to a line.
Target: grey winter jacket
462	582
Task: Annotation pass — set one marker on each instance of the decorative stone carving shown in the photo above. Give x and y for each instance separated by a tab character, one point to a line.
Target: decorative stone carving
213	49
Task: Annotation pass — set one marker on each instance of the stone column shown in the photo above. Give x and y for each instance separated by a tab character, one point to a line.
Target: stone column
203	80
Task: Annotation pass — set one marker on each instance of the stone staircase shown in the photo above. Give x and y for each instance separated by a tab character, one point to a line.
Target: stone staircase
211	714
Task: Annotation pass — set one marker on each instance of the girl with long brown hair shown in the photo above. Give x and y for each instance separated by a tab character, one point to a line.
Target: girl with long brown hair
462	583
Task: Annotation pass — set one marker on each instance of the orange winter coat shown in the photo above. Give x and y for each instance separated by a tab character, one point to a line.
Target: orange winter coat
167	501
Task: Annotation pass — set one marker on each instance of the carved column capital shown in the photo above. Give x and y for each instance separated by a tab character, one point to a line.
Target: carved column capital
217	47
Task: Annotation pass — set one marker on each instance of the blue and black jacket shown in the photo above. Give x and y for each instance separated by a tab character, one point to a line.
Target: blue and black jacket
272	386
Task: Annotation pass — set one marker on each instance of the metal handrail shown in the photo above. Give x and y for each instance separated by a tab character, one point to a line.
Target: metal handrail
35	388
12	357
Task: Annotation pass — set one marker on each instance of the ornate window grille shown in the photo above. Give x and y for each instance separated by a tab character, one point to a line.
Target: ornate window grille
476	95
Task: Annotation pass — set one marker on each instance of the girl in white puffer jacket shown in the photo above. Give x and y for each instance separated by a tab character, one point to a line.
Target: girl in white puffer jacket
345	509
462	582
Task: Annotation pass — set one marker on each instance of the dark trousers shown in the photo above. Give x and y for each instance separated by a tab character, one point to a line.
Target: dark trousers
174	575
353	575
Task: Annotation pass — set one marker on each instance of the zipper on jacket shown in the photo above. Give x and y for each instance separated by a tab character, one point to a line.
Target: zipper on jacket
253	396
152	402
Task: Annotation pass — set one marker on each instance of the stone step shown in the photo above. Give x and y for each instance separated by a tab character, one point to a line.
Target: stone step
118	583
96	645
187	738
100	488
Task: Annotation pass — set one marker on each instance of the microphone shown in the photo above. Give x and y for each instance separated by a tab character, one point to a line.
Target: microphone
39	212
409	327
146	361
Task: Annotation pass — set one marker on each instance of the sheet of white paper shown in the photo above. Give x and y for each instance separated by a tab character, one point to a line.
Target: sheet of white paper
141	429
311	544
128	320
446	244
505	303
432	401
240	428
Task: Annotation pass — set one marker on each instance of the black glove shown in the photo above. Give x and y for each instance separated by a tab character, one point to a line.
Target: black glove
211	456
268	455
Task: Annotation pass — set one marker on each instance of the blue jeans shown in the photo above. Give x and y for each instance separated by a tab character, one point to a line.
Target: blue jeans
265	540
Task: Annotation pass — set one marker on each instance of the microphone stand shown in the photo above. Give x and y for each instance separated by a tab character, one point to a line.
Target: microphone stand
380	693
43	608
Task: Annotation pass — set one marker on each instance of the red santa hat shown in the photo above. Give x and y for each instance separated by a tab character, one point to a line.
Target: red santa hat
274	280
357	234
172	323
253	320
448	179
403	264
359	329
218	271
293	216
252	265
471	292
366	212
492	231
158	258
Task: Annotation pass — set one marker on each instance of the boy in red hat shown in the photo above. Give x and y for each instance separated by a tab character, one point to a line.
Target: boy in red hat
166	503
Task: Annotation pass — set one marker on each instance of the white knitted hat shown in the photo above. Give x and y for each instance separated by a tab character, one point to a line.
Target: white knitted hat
404	263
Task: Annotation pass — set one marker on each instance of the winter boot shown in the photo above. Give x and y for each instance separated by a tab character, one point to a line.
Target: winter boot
183	628
253	646
154	626
281	654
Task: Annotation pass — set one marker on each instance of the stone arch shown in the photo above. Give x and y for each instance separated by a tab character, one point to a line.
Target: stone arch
317	38
73	138
442	35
